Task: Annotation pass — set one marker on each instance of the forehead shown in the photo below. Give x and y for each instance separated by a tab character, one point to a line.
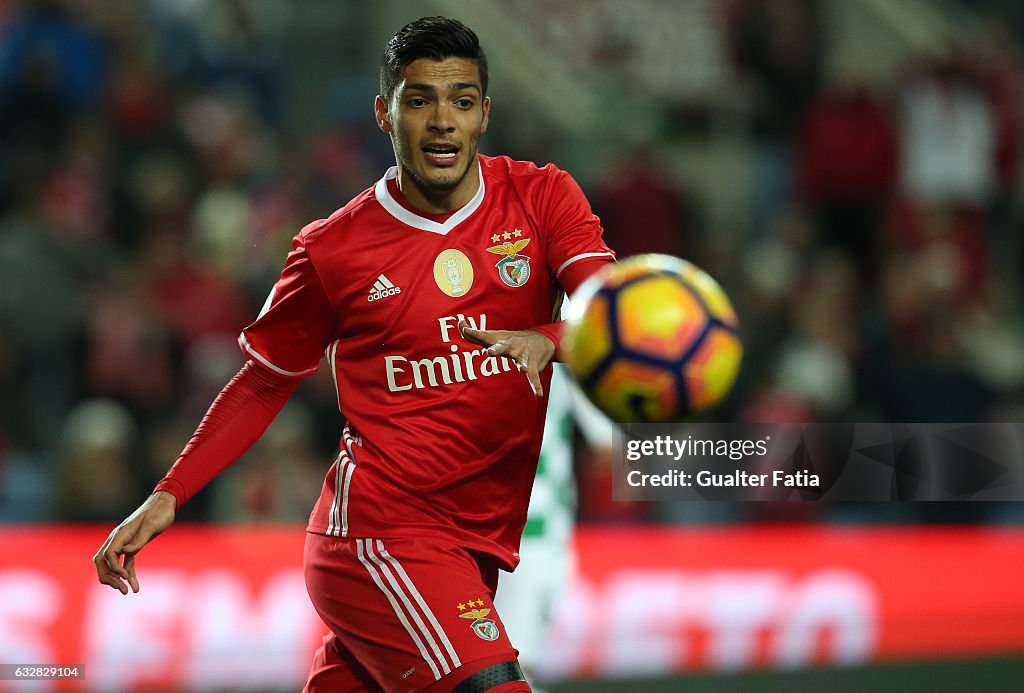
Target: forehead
440	74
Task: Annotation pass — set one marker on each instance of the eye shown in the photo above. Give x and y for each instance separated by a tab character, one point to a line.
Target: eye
464	103
417	102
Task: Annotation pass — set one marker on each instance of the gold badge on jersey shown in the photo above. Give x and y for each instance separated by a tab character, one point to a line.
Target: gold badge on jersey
513	268
453	272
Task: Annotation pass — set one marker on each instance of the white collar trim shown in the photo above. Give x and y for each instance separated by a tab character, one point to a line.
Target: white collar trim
403	215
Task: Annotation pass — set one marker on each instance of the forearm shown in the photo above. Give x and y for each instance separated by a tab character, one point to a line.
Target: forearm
237	418
570	280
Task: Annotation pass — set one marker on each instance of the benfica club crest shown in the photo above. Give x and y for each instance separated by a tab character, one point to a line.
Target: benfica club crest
513	268
485	628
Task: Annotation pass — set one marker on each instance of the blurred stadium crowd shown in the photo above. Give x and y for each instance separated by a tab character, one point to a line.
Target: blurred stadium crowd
151	180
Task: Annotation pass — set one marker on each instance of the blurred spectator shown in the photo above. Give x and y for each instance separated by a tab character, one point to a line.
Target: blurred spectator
778	47
33	117
94	464
996	57
50	44
26	478
779	44
277	477
178	281
947	117
52	68
232	47
128	352
812	378
25	488
640	209
39	309
917	362
992	340
76	197
847	169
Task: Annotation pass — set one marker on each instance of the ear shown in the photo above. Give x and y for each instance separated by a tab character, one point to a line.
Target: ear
487	113
380	108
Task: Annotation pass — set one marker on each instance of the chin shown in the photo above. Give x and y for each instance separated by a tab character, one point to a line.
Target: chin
443	182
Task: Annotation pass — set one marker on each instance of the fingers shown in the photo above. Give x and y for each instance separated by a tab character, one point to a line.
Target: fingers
141	538
532	374
129	566
113	582
112	554
521	356
152	517
108	560
470	335
525	347
484	338
105	574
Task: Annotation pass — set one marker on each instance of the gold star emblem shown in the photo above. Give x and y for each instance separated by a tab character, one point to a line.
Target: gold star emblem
479	602
506	235
517	233
462	607
509	249
495	238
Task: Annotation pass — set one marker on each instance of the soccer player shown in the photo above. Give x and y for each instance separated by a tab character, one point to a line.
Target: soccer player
431	295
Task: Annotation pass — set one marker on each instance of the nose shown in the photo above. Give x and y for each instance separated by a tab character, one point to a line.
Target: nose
441	119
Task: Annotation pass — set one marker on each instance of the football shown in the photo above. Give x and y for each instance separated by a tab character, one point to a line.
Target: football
652	339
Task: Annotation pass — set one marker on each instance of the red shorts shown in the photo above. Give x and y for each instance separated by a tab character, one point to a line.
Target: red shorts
406	615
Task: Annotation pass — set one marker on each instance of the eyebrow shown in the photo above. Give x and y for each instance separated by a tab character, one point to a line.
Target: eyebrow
431	89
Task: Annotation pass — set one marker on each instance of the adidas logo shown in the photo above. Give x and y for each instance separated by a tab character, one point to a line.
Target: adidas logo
382	288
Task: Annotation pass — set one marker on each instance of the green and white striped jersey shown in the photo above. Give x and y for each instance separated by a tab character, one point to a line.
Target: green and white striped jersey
553	501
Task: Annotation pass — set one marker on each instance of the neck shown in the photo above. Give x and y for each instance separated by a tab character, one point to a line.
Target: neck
439	201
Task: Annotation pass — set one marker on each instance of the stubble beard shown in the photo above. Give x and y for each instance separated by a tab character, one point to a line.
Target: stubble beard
442	185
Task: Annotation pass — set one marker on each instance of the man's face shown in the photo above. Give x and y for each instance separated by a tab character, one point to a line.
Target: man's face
435	121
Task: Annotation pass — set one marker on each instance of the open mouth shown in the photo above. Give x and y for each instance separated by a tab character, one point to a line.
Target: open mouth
441	152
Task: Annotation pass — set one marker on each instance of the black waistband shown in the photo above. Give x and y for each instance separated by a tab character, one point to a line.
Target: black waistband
489	677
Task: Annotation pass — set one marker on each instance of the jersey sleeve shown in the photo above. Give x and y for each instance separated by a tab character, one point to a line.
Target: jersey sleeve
237	418
297	321
573	230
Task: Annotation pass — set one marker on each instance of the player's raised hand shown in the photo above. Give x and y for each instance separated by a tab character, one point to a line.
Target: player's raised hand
530	349
150	519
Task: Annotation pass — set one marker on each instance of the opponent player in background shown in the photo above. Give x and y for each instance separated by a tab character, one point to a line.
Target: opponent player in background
528	598
401	290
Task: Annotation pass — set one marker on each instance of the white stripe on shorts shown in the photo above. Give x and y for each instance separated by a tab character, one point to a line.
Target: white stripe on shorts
398	609
419	600
424	630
